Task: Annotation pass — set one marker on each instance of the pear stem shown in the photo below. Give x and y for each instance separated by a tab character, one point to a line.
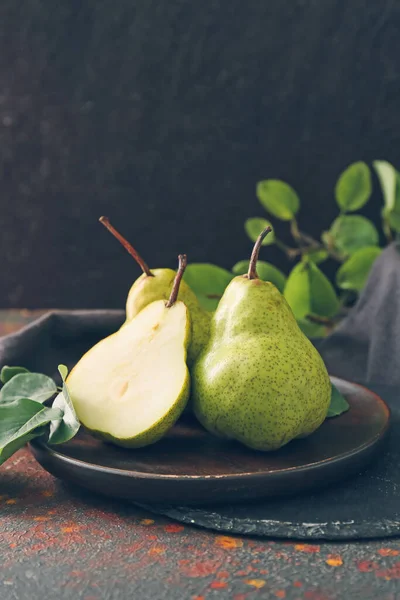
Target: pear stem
177	281
252	272
142	264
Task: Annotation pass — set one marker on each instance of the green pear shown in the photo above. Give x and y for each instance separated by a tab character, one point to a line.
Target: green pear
131	387
259	380
156	284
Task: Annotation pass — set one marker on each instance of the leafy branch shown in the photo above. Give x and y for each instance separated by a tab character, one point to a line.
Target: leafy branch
30	406
352	241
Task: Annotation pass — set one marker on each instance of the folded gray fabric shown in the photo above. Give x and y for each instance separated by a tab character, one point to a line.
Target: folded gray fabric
366	345
59	337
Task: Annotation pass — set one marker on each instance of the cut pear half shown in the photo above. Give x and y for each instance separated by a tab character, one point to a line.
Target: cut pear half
131	387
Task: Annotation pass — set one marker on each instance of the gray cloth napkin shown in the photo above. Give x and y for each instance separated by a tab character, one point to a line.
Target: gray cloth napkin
366	345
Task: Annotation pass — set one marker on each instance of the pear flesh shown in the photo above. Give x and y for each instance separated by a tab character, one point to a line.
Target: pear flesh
148	288
131	387
259	380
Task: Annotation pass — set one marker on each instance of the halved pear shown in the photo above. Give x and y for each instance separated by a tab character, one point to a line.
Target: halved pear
131	387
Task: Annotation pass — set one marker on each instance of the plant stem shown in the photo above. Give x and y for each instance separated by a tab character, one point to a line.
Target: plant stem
128	247
177	281
290	252
252	272
294	230
320	320
310	240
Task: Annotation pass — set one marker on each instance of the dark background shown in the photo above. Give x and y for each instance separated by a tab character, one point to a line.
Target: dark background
163	115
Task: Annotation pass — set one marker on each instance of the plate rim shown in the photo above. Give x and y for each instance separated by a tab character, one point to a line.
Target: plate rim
133	474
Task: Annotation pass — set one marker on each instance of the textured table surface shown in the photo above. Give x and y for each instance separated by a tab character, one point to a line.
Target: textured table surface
65	543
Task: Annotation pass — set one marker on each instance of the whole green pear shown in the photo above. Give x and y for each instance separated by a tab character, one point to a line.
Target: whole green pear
259	380
155	284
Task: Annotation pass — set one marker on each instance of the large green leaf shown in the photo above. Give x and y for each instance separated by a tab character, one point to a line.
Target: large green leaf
352	232
278	198
254	226
35	386
338	403
208	283
8	373
353	188
353	274
309	292
65	429
21	421
265	271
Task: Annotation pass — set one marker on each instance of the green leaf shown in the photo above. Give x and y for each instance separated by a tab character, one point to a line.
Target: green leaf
387	176
65	429
265	271
34	386
389	179
353	274
8	373
254	226
309	292
208	283
352	232
394	221
21	421
353	188
318	256
278	198
338	403
312	330
63	370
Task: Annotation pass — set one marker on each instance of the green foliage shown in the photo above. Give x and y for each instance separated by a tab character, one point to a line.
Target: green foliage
309	292
318	256
265	271
353	188
278	198
35	386
20	421
23	416
349	233
352	241
312	330
255	226
8	373
338	403
208	283
65	429
353	274
390	184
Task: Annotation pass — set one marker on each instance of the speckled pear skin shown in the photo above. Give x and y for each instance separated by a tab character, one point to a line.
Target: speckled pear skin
259	380
147	289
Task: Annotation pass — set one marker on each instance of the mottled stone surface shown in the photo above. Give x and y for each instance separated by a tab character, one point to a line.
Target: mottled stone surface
61	542
164	115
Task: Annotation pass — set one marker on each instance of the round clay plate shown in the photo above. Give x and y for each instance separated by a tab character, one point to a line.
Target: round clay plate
192	467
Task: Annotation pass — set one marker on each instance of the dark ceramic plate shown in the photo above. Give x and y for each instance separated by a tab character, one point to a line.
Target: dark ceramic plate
190	466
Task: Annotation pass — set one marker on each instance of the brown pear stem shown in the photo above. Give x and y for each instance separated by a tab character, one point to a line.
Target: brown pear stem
252	272
177	281
142	264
